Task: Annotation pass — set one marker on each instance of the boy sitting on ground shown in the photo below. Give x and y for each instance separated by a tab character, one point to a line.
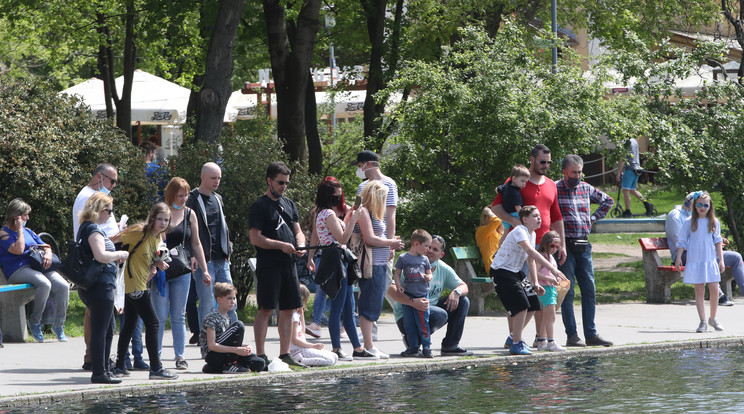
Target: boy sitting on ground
221	342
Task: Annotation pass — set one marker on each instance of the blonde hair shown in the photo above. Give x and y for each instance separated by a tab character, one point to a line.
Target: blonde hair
305	293
94	206
711	215
374	196
486	214
174	187
519	170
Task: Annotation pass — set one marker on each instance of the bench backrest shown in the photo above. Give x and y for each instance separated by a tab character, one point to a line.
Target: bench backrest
466	253
653	243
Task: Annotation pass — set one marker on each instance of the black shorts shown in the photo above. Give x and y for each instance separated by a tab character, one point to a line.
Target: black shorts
277	284
515	291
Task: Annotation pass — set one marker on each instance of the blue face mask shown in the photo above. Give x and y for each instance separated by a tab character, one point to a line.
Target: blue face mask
24	223
177	207
103	189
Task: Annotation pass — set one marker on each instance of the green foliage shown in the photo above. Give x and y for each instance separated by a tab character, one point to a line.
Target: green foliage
49	146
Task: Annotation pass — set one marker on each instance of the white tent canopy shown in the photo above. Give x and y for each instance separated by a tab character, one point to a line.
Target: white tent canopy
154	100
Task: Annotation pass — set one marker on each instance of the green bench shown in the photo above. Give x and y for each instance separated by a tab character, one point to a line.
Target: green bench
478	286
13	300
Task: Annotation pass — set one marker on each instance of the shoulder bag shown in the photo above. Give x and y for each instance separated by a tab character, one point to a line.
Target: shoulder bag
363	253
180	263
36	254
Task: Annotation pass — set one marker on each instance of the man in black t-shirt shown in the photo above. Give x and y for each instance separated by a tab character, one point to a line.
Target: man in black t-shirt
214	237
275	232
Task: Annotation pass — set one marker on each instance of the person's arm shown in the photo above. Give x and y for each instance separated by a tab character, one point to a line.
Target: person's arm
453	300
368	234
505	217
259	240
539	259
420	304
198	257
334	226
223	349
299	238
310	253
396	277
557	226
619	174
533	276
390	221
428	276
603	200
18	246
98	246
718	240
296	340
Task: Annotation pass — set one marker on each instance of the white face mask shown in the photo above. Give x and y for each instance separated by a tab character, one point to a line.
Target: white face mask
360	173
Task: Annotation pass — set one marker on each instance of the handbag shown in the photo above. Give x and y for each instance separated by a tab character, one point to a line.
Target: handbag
36	254
363	254
78	267
180	263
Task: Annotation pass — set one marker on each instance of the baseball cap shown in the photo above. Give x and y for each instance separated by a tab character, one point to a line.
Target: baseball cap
367	155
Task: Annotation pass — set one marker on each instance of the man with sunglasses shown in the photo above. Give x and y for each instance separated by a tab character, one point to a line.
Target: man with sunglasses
574	199
732	259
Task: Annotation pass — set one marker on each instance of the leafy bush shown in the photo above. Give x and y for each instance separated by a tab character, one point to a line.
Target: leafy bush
49	146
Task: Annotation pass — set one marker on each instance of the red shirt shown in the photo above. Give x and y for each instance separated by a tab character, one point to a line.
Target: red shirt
545	198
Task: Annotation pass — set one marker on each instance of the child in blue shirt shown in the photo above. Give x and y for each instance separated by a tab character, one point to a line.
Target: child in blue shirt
511	198
416	270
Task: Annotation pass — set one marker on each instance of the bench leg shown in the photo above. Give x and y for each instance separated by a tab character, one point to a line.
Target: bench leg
658	286
726	278
13	314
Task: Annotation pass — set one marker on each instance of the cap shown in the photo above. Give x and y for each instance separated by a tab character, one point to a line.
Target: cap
367	155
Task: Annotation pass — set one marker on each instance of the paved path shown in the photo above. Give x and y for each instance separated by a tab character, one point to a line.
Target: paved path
53	367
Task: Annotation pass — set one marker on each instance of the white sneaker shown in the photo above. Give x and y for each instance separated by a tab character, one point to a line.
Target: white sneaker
703	327
379	354
542	345
714	323
554	347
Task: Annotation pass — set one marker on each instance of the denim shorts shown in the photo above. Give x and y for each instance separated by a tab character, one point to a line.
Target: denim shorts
372	292
630	179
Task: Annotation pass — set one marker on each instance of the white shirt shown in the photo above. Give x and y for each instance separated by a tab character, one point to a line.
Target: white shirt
110	228
511	255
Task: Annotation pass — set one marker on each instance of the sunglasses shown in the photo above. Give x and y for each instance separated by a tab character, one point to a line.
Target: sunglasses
554	245
110	179
703	205
110	210
546	162
281	182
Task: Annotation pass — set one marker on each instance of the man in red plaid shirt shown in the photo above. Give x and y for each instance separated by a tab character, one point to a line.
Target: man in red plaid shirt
574	200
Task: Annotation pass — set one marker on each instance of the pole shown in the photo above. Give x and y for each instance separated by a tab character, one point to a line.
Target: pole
554	23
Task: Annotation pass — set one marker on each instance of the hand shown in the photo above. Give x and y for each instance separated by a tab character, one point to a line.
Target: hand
161	265
300	252
397	244
453	300
721	266
318	346
17	224
562	255
310	263
243	350
399	287
206	278
724	242
194	264
420	304
557	273
153	272
539	290
428	277
678	264
619	176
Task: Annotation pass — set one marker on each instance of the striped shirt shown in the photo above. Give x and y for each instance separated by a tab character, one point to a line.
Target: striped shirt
575	205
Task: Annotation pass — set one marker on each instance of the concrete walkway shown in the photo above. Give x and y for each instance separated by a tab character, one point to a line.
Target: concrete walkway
49	371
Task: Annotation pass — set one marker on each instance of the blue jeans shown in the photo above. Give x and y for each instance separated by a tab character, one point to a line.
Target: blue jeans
173	303
44	284
321	304
372	293
343	305
136	339
578	268
219	269
417	327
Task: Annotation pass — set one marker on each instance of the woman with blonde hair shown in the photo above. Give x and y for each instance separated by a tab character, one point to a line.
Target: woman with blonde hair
371	224
16	242
99	299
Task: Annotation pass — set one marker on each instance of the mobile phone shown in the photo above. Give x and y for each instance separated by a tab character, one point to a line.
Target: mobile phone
123	221
357	201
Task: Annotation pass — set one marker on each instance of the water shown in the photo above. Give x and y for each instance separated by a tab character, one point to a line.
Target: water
699	380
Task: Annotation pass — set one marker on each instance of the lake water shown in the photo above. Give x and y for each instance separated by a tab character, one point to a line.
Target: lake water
699	380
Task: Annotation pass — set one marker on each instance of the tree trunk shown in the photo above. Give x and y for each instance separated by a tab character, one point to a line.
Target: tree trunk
375	11
291	49
124	104
314	149
216	89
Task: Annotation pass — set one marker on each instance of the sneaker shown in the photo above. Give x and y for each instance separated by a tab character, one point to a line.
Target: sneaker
410	352
509	342
104	378
365	355
266	360
649	208
575	341
181	364
542	345
87	366
36	331
162	374
426	353
313	330
120	372
342	356
627	214
210	369
194	339
714	323
536	341
140	365
60	332
378	353
723	300
520	348
234	368
703	327
289	360
598	341
554	347
456	352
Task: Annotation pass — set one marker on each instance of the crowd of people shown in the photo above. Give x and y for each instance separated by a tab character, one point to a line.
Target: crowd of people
148	270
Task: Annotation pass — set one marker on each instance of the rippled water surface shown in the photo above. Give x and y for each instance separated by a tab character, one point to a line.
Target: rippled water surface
700	380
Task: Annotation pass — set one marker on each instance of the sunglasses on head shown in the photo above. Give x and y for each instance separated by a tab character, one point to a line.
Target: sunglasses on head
703	205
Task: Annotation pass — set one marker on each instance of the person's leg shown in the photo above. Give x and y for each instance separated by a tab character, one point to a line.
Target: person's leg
567	307
138	362
713	293
43	286
61	289
86	337
412	331
192	315
220	271
371	295
260	326
204	292
518	322
548	321
455	323
626	198
422	325
733	259
126	330
319	305
438	317
100	327
347	314
700	300
584	273
334	319
179	293
160	303
152	326
285	330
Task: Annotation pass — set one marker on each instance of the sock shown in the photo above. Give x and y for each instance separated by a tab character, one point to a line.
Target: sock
550	340
540	339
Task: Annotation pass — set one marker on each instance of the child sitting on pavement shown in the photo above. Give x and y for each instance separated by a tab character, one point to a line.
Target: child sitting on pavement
308	353
416	271
221	342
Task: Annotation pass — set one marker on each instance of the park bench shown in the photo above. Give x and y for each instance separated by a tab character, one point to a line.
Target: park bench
479	287
13	300
660	278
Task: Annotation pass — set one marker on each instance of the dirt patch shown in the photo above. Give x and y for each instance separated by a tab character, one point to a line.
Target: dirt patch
620	254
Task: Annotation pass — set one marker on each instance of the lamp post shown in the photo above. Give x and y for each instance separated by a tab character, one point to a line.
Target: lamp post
330	22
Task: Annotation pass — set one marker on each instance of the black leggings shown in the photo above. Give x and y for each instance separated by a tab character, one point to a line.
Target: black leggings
100	301
232	336
133	308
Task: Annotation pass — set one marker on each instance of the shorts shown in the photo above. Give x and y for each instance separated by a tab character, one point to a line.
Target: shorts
277	284
630	179
372	293
515	291
506	225
550	297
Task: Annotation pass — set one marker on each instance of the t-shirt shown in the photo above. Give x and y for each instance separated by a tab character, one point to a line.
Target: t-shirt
511	256
299	333
275	220
413	269
544	270
214	222
139	262
511	197
633	160
110	228
545	198
443	277
216	321
487	238
11	262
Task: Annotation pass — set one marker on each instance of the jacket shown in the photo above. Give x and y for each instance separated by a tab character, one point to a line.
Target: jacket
205	237
332	270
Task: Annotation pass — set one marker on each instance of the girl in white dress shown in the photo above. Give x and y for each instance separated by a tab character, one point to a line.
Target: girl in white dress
700	235
308	353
